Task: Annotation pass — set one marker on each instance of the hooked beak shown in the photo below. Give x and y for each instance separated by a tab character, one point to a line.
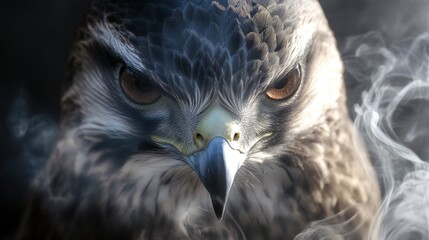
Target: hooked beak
216	166
215	156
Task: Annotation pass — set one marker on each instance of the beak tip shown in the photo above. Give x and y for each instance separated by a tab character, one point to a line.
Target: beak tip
216	166
218	207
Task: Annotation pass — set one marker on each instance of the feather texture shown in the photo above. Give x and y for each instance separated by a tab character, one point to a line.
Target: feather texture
107	179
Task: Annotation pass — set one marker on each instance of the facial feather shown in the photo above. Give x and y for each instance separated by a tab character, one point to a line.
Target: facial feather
200	55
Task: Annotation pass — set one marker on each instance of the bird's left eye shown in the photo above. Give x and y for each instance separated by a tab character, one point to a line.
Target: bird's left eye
287	86
139	90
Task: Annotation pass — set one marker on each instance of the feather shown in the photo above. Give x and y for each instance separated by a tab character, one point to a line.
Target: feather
110	178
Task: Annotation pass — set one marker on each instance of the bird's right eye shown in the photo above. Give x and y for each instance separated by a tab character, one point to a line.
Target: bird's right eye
139	90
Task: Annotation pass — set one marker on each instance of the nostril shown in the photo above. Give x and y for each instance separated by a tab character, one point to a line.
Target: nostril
199	139
236	137
199	136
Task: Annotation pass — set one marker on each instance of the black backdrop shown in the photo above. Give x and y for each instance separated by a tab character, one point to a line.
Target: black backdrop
35	40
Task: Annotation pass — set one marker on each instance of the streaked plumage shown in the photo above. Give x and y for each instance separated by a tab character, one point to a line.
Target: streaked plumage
110	178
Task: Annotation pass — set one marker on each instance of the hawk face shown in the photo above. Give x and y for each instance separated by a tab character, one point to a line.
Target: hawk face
215	85
175	107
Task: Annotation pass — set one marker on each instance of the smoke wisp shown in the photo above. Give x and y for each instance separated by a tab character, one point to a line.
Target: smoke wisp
33	135
393	120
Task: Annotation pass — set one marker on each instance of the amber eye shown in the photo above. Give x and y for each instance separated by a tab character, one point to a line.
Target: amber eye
139	90
286	87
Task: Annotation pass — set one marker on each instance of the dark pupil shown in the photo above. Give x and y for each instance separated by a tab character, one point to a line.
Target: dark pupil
291	76
143	86
282	83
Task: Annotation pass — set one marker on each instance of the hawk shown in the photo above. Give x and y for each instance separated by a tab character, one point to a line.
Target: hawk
204	119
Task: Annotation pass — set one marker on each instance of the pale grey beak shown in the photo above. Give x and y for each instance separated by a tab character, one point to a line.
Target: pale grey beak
217	165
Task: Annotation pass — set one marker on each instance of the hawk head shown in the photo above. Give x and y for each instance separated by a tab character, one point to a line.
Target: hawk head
178	114
211	85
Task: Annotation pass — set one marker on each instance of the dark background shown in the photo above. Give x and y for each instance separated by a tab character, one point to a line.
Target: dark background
36	37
